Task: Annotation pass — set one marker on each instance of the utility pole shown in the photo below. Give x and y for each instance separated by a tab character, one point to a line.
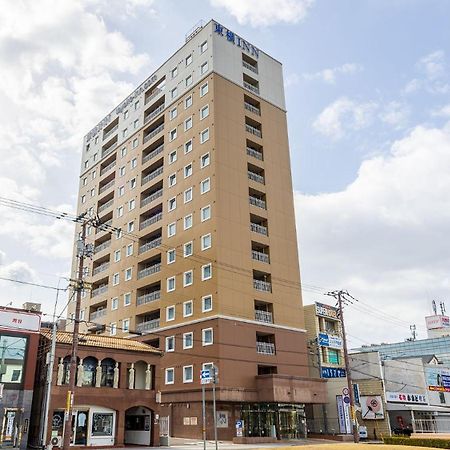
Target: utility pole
342	297
82	252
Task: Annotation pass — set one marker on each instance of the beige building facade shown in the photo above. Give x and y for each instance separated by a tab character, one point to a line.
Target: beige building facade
196	250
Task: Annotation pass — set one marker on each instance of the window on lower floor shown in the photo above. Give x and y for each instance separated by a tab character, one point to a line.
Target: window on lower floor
188	374
170	375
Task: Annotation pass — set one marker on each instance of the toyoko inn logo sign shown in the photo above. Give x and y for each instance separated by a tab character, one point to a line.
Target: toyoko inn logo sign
233	38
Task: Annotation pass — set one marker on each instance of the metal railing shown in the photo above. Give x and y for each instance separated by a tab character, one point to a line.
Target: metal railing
263	316
254	153
148	298
250	87
147	326
153	133
104	226
105	205
151	197
255	177
108	150
102	246
99	290
253	130
265	348
100	268
106	186
153	153
111	132
150	221
149	271
264	286
250	67
152	175
261	229
154	94
260	256
438	424
149	245
98	314
252	108
153	114
257	202
107	168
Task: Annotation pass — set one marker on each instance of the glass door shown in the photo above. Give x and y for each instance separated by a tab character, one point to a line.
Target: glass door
80	427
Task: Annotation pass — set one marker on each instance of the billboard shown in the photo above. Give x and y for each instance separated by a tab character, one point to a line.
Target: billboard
404	397
326	311
329	340
372	407
438	379
437	322
332	372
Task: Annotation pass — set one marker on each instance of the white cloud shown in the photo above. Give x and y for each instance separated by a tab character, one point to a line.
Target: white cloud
433	64
329	75
395	114
444	111
344	115
265	12
18	270
384	237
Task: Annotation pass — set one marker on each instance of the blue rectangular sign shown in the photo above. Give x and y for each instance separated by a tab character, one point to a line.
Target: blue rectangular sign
324	340
332	372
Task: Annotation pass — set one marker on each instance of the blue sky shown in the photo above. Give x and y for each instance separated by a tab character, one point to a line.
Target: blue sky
367	86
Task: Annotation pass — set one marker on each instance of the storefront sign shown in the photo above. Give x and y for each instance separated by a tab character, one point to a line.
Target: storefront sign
222	419
17	320
329	340
326	311
233	38
372	408
332	372
438	379
343	415
436	322
404	397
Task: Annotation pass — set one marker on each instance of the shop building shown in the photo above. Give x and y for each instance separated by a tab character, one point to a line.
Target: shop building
115	395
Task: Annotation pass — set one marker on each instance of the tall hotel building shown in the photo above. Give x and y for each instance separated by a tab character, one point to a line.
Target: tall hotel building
194	168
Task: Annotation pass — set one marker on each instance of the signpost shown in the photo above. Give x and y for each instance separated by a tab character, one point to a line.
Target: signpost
207	377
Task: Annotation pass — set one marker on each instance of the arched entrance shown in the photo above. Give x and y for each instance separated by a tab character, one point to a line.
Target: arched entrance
138	426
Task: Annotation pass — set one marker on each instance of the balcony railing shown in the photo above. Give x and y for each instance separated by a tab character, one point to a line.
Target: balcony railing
151	198
107	168
102	246
263	286
261	229
153	133
260	256
254	153
154	94
99	290
148	298
252	108
153	153
111	132
108	150
147	326
106	186
253	130
250	87
257	202
152	175
98	314
154	113
150	221
265	348
100	268
105	226
149	271
149	245
250	67
255	177
263	316
105	205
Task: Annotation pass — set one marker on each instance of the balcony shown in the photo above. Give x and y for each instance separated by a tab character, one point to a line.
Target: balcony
250	67
147	326
150	221
153	133
107	168
153	153
263	316
255	177
105	226
152	197
263	286
253	130
257	202
100	290
265	348
96	315
102	246
152	175
154	113
148	298
153	95
109	149
149	245
105	206
261	257
106	186
149	271
254	153
251	88
252	108
110	132
261	229
100	268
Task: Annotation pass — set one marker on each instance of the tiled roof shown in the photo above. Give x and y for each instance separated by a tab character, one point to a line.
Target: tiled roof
97	340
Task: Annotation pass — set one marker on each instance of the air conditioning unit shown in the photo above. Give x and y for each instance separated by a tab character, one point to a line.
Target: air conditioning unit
56	441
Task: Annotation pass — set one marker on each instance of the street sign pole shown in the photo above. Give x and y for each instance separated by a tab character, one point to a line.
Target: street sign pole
204	417
214	403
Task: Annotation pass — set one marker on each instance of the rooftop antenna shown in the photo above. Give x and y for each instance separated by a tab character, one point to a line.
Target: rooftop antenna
442	306
413	332
433	304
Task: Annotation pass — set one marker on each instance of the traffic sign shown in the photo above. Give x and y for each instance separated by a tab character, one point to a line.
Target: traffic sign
347	400
205	377
345	391
238	423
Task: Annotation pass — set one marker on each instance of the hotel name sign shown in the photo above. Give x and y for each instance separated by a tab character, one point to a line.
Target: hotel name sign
233	38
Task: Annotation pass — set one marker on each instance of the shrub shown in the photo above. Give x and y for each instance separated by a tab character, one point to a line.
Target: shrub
417	442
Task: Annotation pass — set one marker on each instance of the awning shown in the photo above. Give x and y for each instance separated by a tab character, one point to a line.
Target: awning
407	407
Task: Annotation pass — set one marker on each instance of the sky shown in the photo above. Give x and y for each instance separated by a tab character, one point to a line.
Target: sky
367	85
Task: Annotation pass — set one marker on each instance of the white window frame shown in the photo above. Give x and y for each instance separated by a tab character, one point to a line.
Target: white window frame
135	140
204	278
123	152
133	163
202	114
127	251
205	157
204	68
189	333
131	204
128	273
202	239
168	340
172	179
172	253
116	279
171	204
130	226
206	182
174	92
188	146
188	380
121	191
114	303
188	195
188	167
119	211
126	325
203	47
170	226
202	210
188	123
133	183
173	113
113	328
186	246
204	309
168	281
174	72
186	218
188	102
188	60
170	308
166	377
172	156
173	134
204	330
125	296
204	88
191	273
204	133
185	304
